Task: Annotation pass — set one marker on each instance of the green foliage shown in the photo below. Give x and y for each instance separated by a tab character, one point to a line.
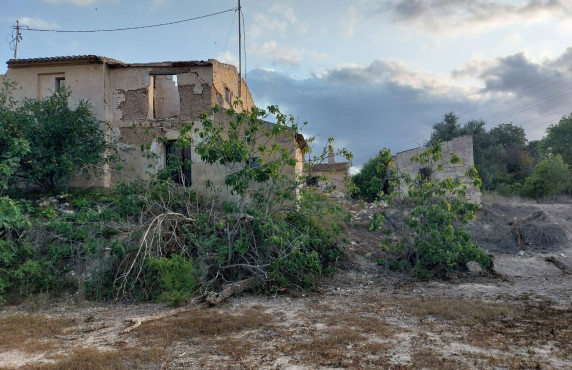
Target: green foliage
433	240
501	154
559	139
64	140
156	240
375	177
550	177
172	280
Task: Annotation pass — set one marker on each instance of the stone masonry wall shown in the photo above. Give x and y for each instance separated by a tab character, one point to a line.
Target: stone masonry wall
462	147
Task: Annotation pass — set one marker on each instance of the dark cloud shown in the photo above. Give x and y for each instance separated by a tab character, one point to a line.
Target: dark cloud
367	108
511	72
439	14
362	110
534	88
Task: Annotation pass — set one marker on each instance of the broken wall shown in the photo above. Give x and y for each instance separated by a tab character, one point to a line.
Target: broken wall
226	87
461	146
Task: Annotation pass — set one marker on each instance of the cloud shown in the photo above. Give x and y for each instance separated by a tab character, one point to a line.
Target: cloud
155	4
75	2
361	106
349	21
283	55
387	104
279	18
38	23
228	57
472	15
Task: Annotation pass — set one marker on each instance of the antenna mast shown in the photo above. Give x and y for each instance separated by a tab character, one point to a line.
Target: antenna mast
17	39
239	52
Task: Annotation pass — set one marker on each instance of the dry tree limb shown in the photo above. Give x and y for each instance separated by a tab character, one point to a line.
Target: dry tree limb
210	298
558	264
146	245
136	322
229	290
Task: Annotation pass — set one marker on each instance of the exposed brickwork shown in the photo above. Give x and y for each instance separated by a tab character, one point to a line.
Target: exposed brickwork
135	106
193	104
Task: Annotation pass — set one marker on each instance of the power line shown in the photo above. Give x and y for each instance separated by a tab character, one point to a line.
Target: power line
229	31
531	105
517	91
127	28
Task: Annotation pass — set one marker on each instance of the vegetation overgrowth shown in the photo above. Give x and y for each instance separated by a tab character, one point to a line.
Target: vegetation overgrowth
157	239
162	240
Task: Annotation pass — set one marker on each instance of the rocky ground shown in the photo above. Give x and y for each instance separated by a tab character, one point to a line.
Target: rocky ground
363	318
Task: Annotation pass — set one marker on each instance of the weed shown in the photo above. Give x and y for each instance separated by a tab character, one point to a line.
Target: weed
127	358
29	332
200	323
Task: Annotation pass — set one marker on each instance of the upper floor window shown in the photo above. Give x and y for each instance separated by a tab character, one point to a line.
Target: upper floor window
60	83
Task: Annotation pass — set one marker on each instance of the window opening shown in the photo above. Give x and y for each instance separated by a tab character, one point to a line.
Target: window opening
425	174
60	83
312	181
253	162
166	99
179	161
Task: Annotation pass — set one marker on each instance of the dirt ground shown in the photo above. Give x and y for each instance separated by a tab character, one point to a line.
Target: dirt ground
363	318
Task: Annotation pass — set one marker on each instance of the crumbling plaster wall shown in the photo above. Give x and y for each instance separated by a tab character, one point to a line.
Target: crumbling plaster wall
132	92
226	77
462	147
86	82
334	178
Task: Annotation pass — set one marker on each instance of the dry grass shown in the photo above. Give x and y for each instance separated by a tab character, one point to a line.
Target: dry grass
30	333
329	348
200	323
429	359
466	312
91	358
362	322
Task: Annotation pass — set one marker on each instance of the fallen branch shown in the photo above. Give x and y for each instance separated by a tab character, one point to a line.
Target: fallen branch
210	298
558	264
229	290
136	322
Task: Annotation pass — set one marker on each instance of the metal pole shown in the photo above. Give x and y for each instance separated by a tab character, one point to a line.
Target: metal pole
239	53
17	39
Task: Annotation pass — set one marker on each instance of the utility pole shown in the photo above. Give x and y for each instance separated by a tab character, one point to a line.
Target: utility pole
239	53
17	39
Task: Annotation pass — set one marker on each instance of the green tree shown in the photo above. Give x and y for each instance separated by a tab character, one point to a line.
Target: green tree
550	178
501	154
559	139
434	240
374	177
62	139
448	129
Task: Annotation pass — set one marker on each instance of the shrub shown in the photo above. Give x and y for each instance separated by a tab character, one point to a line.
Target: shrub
550	177
171	280
374	178
64	139
433	240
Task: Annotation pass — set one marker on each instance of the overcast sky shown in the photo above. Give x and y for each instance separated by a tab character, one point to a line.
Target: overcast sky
370	73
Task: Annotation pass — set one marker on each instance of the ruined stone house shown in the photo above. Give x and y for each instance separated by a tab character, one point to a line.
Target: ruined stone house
461	146
329	175
141	101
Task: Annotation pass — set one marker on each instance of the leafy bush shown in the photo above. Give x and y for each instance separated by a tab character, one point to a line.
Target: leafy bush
171	279
433	240
374	178
550	177
63	139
